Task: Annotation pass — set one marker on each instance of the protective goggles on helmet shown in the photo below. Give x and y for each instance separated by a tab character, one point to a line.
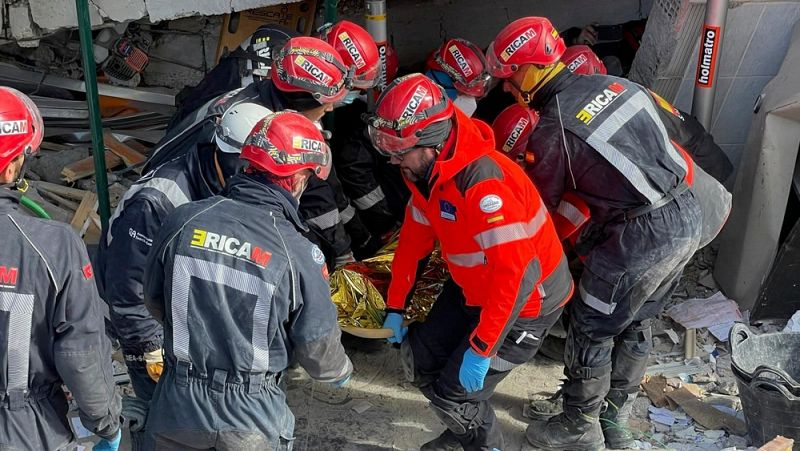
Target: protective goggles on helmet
317	160
320	91
386	135
496	67
367	80
475	88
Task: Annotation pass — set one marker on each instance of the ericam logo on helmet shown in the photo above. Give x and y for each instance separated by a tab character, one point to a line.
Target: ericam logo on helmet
313	70
515	134
312	145
460	60
518	42
411	108
352	49
577	62
13	127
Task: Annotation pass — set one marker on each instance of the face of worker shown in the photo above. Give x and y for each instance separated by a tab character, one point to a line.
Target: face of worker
414	164
11	173
300	183
315	114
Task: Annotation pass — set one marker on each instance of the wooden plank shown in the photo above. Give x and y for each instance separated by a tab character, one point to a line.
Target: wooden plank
63	191
705	414
85	168
779	443
85	209
60	200
128	155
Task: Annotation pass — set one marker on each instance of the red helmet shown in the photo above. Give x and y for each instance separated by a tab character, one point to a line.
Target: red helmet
21	126
581	60
412	111
464	62
530	40
286	143
512	128
392	63
311	65
357	48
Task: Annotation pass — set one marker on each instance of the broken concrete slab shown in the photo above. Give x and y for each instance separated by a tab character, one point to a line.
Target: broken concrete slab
19	20
51	15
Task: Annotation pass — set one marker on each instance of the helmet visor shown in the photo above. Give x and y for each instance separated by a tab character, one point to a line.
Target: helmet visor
496	67
389	144
478	87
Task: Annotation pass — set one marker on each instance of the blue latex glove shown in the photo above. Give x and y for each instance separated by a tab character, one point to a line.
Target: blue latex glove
341	383
473	370
394	321
109	445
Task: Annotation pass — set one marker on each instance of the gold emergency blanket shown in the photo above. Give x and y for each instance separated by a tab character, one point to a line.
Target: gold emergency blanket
359	289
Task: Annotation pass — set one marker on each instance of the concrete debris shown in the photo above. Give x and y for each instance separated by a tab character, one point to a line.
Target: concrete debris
794	323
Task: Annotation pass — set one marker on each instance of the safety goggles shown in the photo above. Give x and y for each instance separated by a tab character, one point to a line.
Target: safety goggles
496	67
475	88
390	145
367	80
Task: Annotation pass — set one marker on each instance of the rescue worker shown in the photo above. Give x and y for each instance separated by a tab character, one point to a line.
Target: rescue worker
290	87
246	64
375	186
509	275
52	329
682	127
459	66
200	173
602	137
241	293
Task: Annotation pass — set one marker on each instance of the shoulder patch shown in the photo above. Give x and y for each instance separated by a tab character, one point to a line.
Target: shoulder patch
317	255
87	271
491	203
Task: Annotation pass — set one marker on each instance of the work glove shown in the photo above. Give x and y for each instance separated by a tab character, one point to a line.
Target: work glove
394	321
154	362
109	445
134	410
473	370
341	383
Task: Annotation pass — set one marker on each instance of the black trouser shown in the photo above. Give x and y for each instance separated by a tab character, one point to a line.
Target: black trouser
434	350
629	275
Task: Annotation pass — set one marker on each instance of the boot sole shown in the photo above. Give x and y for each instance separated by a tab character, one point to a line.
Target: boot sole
570	447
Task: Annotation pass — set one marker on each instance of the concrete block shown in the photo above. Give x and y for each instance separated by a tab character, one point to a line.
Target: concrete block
170	9
770	41
121	10
20	20
240	5
162	73
734	109
54	14
741	25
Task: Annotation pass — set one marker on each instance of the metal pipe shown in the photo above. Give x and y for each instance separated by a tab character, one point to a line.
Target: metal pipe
705	83
95	122
375	18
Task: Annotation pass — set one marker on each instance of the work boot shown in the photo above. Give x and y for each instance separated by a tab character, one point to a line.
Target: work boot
542	409
614	419
562	433
446	441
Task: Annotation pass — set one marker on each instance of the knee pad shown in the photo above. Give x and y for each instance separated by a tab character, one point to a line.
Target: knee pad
587	359
637	339
460	418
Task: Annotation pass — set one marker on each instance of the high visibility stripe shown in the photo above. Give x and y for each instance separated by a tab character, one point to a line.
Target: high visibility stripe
596	303
18	341
325	220
168	187
417	215
501	364
599	140
347	214
467	260
512	232
369	200
187	268
571	213
671	150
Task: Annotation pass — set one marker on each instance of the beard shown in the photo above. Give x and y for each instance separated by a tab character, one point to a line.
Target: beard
420	172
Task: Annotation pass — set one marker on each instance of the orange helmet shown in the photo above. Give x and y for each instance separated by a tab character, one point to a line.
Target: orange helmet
412	111
357	49
581	60
21	126
311	65
286	143
512	129
529	40
465	63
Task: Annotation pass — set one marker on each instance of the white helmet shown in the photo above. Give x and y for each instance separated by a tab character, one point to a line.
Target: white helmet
236	124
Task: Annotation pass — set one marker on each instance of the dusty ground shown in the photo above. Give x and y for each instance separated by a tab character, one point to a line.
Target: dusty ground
398	417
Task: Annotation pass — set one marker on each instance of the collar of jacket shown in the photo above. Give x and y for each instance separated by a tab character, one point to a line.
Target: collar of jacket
198	176
553	87
9	199
255	189
473	140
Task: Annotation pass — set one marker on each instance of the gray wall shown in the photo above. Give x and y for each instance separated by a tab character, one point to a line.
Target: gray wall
753	48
